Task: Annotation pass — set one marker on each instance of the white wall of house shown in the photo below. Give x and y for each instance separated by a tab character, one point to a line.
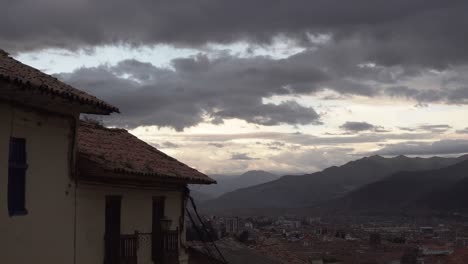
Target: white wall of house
136	215
45	234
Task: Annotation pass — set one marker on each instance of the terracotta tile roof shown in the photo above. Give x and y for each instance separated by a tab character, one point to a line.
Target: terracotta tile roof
460	256
31	79
105	153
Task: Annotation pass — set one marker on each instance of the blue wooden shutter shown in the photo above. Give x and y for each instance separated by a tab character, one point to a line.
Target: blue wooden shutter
17	177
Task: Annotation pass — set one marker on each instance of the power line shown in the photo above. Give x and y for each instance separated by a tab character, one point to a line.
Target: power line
205	228
202	237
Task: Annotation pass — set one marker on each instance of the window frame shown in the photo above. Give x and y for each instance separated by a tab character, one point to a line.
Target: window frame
17	168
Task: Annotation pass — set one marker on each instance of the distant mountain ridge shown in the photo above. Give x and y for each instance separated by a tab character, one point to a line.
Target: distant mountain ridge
441	189
227	183
200	196
331	183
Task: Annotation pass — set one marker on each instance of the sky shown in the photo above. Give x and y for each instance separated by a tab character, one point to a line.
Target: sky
284	86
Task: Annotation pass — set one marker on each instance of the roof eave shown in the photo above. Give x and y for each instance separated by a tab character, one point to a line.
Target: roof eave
109	177
137	181
99	107
186	179
101	111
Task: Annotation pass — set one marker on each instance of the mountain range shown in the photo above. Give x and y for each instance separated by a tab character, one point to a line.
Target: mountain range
441	189
358	181
228	183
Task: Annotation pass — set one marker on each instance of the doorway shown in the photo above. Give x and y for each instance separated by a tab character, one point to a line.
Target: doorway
112	229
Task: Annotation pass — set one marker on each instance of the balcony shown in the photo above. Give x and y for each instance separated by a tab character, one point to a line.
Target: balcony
127	248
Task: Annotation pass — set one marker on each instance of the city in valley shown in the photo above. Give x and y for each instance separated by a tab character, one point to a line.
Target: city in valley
317	240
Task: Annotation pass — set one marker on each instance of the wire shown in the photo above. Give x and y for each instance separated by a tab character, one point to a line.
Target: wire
206	229
200	234
208	250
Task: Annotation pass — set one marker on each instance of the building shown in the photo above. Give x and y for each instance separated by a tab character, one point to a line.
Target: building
76	192
461	238
249	225
435	250
290	224
146	186
232	225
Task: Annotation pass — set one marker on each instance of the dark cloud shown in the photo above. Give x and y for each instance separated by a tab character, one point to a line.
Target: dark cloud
218	145
288	112
391	32
403	91
438	128
357	126
454	94
410	129
361	126
241	156
166	145
462	131
197	88
442	147
276	145
223	86
435	128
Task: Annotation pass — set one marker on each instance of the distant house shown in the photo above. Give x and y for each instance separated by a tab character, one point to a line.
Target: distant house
76	192
435	250
232	225
307	240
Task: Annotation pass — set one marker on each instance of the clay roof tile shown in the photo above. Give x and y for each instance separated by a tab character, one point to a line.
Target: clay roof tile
118	151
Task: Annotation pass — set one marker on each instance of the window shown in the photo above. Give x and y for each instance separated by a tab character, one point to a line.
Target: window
17	177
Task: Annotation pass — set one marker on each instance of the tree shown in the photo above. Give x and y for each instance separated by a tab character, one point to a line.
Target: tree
410	256
244	236
375	239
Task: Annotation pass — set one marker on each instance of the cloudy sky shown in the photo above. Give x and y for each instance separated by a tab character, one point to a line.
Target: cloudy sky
287	86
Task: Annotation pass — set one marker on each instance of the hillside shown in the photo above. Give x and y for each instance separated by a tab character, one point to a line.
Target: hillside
439	189
200	196
334	182
451	198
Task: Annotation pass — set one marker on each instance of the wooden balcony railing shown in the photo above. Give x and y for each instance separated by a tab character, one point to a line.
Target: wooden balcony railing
128	249
171	241
123	249
171	247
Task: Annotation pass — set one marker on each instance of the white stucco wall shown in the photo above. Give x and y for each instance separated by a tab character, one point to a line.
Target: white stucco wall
136	215
45	234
